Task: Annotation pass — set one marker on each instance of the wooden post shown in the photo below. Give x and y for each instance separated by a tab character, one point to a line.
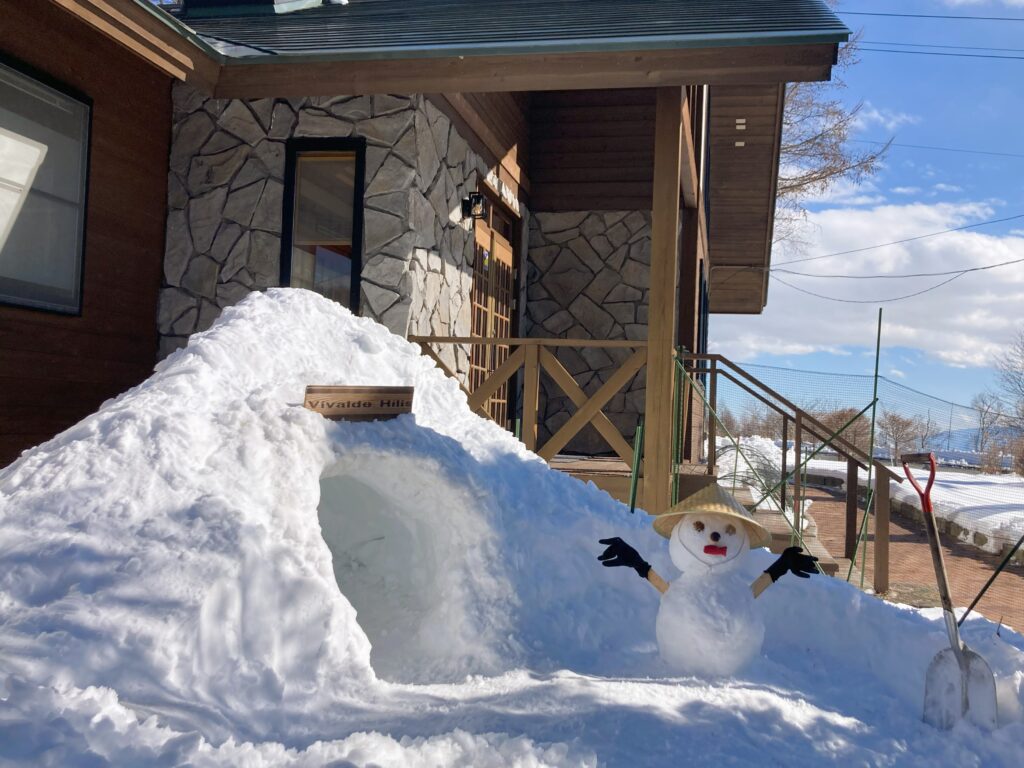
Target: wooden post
850	545
785	451
881	502
661	325
798	438
689	279
712	424
531	395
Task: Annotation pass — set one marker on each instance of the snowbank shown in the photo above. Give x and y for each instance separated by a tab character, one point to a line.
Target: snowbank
170	571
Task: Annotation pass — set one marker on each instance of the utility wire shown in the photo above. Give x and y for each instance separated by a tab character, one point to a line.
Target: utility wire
963	271
932	16
904	240
940	53
869	301
940	45
938	149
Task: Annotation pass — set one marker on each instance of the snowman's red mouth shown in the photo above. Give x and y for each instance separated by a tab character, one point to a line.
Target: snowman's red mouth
711	549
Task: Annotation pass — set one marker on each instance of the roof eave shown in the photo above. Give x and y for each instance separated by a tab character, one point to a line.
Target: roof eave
178	27
525	48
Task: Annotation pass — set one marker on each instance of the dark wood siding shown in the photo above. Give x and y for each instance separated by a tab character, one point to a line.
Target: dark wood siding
55	369
506	115
592	150
496	127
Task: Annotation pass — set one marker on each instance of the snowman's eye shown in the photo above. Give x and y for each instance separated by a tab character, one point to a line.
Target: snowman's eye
698	526
731	530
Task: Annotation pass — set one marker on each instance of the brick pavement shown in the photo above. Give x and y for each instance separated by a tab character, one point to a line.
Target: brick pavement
911	575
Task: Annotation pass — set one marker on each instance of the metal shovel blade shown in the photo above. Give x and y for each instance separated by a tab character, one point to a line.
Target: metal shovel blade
952	693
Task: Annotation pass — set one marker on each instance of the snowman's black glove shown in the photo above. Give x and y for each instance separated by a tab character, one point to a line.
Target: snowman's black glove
794	560
620	553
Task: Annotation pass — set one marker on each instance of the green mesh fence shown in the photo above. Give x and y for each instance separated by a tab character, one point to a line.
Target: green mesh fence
978	495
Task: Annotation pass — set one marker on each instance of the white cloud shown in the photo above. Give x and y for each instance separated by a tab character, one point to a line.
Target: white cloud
905	190
964	323
896	373
947	188
1017	232
889	119
845	192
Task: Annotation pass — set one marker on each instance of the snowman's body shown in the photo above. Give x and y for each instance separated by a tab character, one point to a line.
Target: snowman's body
707	623
708	626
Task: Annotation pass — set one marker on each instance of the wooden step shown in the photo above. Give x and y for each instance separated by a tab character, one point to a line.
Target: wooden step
744	496
782	537
843	564
813	546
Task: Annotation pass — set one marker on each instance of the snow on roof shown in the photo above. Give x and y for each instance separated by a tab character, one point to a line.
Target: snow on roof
170	570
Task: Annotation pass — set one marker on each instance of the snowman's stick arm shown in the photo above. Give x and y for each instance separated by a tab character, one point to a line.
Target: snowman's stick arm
761	584
659	583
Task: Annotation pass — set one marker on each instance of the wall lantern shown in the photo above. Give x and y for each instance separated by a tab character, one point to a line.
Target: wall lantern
474	206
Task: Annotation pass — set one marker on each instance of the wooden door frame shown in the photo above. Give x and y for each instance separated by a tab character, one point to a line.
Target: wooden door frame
494	200
495	203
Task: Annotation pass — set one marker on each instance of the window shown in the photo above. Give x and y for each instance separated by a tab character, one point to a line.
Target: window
321	247
44	141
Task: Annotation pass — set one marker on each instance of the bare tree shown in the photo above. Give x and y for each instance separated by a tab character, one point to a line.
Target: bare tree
858	433
1017	449
815	152
1010	365
925	430
896	430
761	421
729	420
989	409
992	462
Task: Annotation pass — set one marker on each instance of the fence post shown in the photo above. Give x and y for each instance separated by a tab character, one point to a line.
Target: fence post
531	395
798	439
881	504
850	545
785	451
711	422
687	417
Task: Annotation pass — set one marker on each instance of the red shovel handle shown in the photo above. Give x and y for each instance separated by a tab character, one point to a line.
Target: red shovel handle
926	492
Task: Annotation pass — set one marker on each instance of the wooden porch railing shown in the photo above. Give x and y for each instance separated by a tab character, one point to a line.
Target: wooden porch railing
805	425
533	356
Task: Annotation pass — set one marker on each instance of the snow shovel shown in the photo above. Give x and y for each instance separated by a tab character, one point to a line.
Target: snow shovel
959	683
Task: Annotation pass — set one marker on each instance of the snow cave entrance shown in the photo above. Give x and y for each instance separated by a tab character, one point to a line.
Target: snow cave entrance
397	530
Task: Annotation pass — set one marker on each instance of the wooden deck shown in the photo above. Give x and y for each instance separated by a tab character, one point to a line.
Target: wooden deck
610	474
782	532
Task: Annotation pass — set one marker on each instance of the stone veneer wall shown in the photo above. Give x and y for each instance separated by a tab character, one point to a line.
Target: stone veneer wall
225	203
589	277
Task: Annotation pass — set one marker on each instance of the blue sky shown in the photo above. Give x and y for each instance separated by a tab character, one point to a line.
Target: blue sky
941	342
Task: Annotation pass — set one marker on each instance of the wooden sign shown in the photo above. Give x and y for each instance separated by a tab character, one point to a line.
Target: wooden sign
359	403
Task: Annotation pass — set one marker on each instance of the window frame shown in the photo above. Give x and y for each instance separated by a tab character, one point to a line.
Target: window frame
48	80
295	147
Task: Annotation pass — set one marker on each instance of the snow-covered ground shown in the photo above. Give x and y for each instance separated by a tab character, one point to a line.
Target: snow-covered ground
205	573
992	505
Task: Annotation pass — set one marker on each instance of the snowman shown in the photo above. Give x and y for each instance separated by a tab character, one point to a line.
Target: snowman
707	624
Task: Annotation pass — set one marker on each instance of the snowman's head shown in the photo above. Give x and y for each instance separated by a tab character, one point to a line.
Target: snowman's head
716	542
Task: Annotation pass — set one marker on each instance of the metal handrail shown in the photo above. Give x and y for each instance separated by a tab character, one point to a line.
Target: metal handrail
810	424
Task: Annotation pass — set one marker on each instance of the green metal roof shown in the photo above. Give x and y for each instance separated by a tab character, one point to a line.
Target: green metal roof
413	28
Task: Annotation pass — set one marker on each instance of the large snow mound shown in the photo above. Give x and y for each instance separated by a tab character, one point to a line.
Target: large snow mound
204	572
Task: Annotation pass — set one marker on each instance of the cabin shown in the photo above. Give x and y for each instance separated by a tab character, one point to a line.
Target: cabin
552	199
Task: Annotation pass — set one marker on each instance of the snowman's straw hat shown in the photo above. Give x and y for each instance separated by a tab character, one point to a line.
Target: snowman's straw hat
712	500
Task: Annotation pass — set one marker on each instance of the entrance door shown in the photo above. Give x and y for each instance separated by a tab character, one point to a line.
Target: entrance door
493	304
